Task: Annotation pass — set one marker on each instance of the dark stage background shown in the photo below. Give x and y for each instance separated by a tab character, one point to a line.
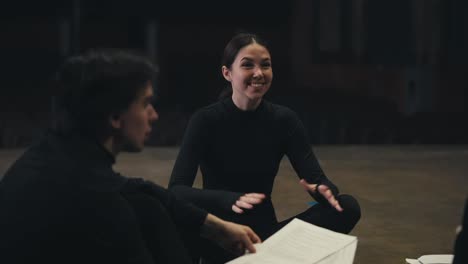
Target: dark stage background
356	71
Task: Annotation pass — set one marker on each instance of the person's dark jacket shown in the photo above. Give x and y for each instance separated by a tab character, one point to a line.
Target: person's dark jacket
61	202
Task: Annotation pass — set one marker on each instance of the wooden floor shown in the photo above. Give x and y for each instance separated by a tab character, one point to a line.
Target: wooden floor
411	197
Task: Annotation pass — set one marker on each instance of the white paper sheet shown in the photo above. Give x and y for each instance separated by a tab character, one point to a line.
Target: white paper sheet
301	242
432	259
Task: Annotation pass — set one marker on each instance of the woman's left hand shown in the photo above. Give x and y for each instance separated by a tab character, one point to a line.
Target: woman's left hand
324	191
247	201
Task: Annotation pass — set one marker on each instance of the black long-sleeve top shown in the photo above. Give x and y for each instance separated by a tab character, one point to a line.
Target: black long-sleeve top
239	152
61	202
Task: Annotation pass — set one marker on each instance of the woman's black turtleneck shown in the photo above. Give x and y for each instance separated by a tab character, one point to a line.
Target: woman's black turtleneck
239	152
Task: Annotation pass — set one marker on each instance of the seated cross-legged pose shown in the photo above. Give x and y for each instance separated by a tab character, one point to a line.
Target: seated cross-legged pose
238	144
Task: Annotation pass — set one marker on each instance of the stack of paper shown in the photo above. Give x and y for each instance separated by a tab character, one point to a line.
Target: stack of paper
300	242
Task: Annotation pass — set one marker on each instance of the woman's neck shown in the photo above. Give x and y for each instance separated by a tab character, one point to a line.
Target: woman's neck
245	104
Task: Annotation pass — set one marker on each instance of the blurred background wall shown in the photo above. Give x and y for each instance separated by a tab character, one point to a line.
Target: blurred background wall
356	71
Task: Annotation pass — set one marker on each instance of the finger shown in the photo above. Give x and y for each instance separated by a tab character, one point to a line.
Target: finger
250	200
256	195
237	209
248	244
237	248
336	204
325	191
242	204
305	183
308	187
338	207
327	194
253	237
332	200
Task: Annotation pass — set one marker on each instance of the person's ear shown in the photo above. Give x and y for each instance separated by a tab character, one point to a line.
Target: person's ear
115	121
226	73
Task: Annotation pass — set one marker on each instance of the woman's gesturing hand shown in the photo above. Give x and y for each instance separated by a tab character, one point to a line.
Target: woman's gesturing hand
247	201
324	191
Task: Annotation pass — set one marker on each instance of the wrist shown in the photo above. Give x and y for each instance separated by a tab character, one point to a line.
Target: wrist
212	227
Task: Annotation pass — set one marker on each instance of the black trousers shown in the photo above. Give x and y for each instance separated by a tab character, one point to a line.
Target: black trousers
325	216
322	215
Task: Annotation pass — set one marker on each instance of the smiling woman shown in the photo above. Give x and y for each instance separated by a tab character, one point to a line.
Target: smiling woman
239	142
250	75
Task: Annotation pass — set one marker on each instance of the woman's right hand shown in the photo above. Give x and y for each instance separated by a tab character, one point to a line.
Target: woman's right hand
247	201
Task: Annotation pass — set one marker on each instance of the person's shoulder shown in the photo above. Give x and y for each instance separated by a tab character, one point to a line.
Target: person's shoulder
35	164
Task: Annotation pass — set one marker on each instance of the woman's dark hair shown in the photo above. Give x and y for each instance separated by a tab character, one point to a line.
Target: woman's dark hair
238	42
231	50
99	83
